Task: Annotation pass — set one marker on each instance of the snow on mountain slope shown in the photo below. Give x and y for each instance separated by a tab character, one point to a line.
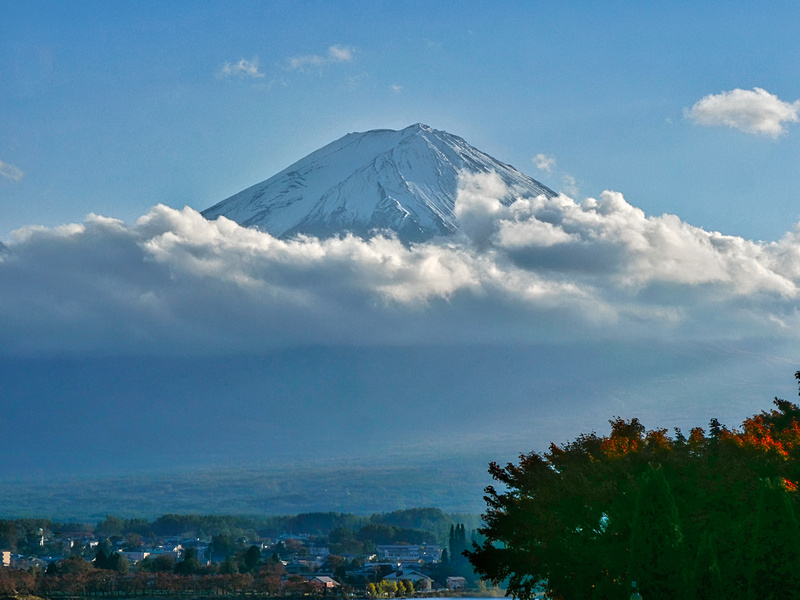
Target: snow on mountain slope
405	181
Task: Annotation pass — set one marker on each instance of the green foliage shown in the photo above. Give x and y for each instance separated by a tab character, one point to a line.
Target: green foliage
73	565
110	526
190	565
387	587
698	516
252	558
9	535
228	566
118	563
455	562
163	564
376	533
775	549
101	558
222	546
656	542
321	523
706	581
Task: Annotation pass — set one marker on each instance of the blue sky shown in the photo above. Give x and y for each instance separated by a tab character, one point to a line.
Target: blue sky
113	107
672	129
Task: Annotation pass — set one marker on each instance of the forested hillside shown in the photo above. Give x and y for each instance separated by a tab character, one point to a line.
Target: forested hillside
416	525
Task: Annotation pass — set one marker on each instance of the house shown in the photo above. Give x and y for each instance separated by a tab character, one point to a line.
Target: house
24	563
299	566
319	551
174	552
373	572
410	552
456	583
324	581
422	583
134	556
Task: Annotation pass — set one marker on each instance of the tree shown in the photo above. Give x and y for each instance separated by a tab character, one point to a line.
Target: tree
221	546
585	518
117	562
190	563
656	544
458	540
164	564
252	558
73	564
110	526
775	558
387	587
8	535
228	566
706	581
101	558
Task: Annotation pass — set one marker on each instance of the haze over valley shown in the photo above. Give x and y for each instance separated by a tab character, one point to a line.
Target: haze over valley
277	264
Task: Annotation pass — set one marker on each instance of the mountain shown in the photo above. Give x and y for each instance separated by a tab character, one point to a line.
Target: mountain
405	181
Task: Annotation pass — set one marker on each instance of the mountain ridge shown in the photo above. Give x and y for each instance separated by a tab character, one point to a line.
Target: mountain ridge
405	181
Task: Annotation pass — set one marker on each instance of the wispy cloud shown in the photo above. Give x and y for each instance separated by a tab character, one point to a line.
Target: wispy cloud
544	162
570	185
243	68
10	172
340	53
396	88
753	111
335	54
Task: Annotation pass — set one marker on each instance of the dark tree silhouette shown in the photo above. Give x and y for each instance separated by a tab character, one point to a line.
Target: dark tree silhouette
685	517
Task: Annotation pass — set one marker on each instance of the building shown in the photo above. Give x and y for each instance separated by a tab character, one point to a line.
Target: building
134	556
410	552
422	583
456	583
324	581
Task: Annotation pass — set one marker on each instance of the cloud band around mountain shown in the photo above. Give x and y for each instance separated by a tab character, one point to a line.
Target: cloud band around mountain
539	269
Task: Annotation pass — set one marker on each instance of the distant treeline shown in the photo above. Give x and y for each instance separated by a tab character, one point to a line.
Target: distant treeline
416	525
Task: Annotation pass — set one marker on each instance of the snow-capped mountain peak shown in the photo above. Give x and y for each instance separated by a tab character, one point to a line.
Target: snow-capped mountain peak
405	181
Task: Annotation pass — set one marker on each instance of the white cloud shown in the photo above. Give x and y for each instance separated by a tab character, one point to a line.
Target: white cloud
243	68
11	172
536	270
340	53
753	111
335	54
570	185
396	88
544	162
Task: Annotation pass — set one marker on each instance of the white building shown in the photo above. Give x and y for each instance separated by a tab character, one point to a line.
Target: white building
410	552
421	582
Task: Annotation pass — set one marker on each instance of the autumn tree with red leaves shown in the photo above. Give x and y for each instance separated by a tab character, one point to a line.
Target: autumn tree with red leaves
683	516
